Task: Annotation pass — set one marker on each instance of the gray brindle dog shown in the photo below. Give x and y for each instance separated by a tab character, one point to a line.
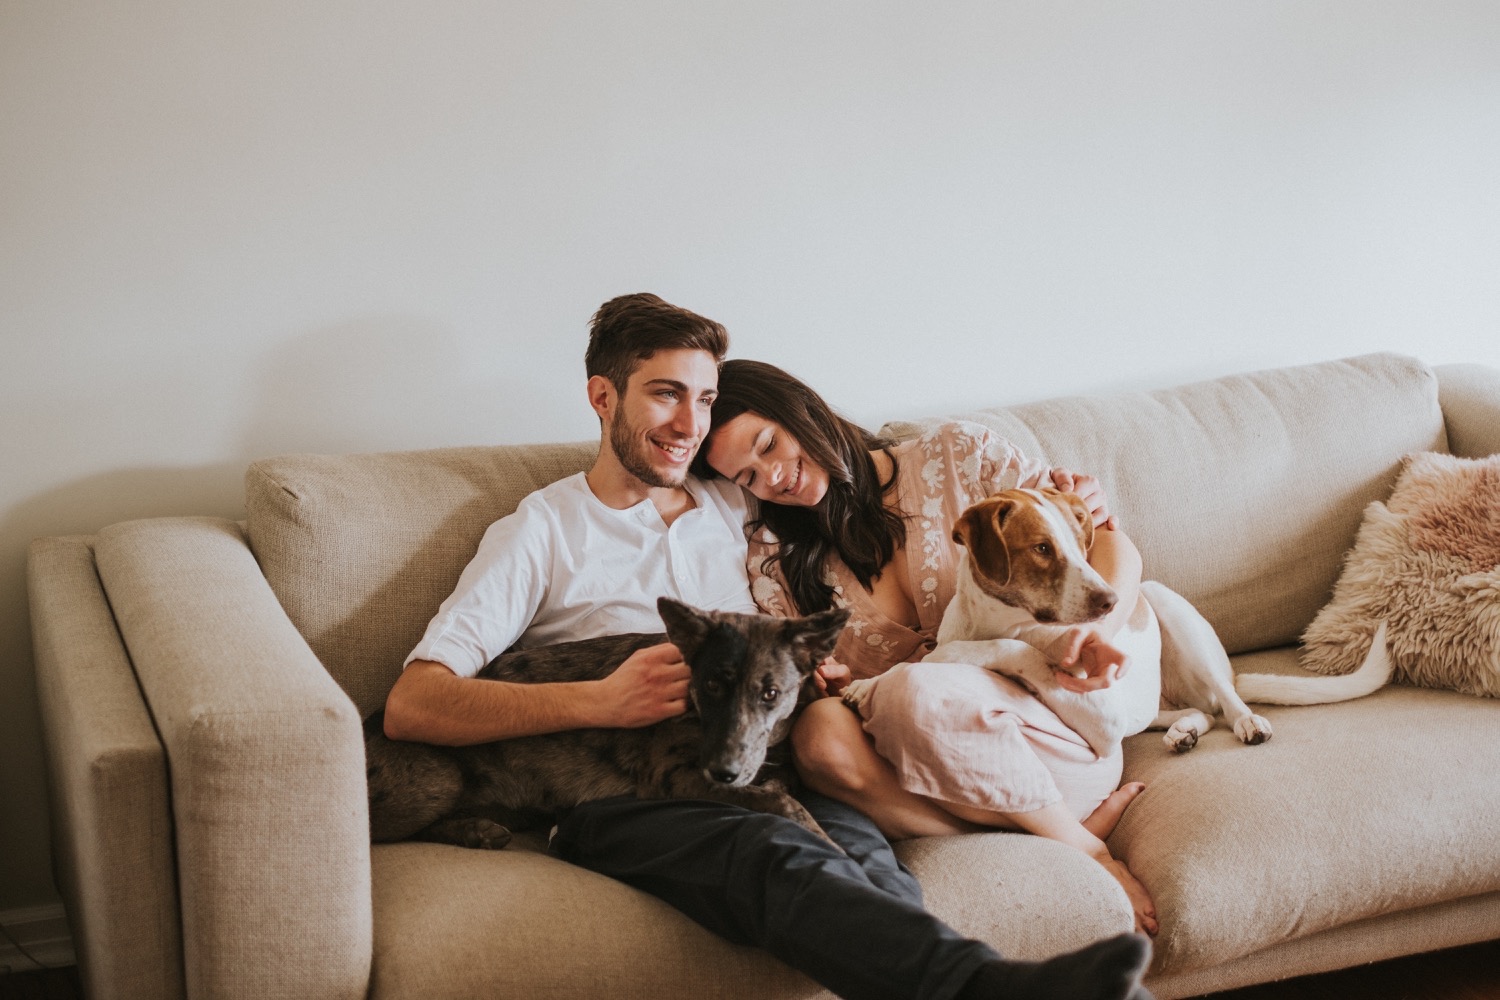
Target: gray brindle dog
749	675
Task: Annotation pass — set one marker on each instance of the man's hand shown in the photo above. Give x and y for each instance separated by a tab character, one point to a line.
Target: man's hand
832	677
1084	662
1090	491
651	685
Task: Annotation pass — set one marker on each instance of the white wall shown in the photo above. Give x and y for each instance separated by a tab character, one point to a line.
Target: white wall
229	230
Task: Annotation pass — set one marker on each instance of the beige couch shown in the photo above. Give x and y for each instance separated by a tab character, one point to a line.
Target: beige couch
202	684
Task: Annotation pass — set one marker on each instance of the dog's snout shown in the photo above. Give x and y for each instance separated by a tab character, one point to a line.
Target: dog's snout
723	775
1102	603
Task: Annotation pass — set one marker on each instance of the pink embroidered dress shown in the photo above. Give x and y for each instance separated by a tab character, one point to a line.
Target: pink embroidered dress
954	732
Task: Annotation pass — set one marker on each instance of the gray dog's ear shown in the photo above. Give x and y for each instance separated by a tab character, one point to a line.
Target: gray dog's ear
816	635
686	626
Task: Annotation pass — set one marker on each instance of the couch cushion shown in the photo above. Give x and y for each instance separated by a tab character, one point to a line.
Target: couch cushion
361	549
457	923
1267	473
1351	811
446	923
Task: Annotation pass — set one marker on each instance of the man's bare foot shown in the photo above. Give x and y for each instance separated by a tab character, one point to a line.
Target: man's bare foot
1140	899
1102	821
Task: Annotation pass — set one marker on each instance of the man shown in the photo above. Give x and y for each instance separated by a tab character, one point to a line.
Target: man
588	556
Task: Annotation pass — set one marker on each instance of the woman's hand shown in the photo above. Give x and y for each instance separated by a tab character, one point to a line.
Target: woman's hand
1088	489
1084	662
832	677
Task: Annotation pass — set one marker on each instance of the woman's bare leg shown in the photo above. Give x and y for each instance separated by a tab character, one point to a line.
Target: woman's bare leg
1103	820
837	758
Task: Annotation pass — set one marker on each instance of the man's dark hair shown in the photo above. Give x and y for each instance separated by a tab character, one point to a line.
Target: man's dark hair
631	328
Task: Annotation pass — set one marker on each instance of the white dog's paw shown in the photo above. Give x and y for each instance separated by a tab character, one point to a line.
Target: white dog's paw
857	692
1180	738
1252	729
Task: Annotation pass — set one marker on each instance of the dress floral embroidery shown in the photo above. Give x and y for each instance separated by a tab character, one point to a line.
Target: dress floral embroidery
953	732
938	476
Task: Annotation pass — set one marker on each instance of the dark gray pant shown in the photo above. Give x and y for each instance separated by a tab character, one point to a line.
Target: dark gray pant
852	919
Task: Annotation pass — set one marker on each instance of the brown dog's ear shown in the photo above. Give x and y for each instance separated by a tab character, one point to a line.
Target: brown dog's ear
686	626
981	530
815	636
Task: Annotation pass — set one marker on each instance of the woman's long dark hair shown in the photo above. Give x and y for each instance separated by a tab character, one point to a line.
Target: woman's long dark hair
852	518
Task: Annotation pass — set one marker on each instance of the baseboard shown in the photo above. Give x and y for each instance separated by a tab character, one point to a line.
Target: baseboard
36	937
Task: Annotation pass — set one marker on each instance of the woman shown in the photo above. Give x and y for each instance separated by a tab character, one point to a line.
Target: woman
849	519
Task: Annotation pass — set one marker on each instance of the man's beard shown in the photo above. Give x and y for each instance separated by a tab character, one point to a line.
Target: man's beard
633	451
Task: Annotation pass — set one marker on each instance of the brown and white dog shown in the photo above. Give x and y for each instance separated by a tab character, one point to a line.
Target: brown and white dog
1024	581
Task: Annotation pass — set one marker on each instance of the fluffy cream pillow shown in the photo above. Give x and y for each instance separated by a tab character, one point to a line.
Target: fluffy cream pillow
1428	563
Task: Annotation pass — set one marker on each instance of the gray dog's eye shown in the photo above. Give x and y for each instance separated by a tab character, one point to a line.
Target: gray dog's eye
712	688
770	694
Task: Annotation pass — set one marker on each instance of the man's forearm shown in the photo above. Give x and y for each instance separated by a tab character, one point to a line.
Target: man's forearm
431	704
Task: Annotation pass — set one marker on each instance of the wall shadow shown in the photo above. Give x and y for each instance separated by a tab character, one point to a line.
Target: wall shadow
80	507
356	386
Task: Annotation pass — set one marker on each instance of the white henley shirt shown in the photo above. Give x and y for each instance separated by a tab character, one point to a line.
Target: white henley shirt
567	566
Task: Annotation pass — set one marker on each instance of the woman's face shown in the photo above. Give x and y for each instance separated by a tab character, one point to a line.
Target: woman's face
760	456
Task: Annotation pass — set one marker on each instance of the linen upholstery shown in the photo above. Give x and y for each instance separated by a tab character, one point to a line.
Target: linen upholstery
1268	471
107	777
1036	896
266	759
1364	808
361	549
1030	897
1459	922
1270	853
1470	397
583	934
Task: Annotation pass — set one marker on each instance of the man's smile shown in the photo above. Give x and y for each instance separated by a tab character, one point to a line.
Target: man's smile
676	452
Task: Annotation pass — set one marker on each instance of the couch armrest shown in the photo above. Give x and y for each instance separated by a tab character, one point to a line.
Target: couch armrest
266	759
1470	398
107	781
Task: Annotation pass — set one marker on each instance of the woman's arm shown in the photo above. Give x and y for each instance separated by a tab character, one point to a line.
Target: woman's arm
1088	489
1115	557
1087	649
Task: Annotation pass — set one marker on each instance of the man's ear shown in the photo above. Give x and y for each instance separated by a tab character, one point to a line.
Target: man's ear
816	635
981	530
686	626
602	395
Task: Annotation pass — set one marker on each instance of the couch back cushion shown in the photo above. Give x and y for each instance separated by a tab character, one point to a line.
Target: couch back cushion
361	549
1243	493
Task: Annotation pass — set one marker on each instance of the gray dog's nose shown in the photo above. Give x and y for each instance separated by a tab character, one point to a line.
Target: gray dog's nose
723	775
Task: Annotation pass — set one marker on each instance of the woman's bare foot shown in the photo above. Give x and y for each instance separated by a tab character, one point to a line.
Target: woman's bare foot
1102	821
1140	899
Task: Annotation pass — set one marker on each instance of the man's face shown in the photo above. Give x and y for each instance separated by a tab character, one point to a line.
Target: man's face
662	416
